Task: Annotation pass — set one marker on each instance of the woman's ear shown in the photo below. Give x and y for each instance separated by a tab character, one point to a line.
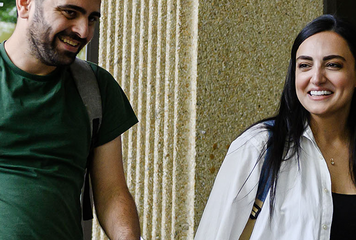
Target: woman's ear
23	7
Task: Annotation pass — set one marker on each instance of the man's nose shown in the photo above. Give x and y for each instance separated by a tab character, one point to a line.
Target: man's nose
81	28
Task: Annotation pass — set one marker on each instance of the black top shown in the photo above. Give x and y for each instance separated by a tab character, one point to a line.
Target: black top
344	217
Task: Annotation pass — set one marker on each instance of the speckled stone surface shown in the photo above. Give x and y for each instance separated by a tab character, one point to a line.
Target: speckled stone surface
197	74
243	55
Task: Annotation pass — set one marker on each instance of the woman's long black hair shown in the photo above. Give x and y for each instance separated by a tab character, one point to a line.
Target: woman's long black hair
292	118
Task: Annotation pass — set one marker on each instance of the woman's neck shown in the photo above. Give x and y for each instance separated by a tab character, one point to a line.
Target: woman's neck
327	130
333	139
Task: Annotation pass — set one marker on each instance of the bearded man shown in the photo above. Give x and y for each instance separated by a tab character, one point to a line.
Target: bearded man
45	133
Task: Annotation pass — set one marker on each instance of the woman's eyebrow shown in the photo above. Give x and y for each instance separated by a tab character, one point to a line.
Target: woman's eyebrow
305	58
334	56
326	58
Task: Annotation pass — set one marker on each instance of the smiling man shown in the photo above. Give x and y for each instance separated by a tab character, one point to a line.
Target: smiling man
45	132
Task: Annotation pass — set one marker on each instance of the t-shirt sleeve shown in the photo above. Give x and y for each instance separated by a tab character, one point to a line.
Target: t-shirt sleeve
118	115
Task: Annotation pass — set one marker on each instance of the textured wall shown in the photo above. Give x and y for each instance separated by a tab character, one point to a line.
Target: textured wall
243	55
151	48
197	73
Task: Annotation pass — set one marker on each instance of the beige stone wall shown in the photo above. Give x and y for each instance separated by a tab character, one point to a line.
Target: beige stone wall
243	55
197	73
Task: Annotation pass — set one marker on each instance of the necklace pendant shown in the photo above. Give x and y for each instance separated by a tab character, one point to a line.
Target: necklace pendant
332	161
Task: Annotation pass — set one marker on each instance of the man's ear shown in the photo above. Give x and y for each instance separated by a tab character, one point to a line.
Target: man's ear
23	7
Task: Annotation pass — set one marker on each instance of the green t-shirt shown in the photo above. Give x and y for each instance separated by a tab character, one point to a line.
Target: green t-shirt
44	143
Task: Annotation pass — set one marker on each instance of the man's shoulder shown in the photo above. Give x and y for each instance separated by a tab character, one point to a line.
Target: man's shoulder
104	78
99	71
83	64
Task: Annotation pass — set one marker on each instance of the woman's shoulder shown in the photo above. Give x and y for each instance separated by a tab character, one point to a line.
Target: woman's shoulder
254	137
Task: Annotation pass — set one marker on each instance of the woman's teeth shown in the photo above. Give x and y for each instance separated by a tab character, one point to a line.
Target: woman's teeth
319	93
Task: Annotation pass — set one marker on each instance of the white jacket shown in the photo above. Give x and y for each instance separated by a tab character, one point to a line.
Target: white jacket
303	203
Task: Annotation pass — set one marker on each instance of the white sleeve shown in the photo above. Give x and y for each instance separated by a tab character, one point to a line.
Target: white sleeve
234	191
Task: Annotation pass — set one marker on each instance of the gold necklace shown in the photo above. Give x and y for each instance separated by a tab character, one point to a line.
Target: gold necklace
332	161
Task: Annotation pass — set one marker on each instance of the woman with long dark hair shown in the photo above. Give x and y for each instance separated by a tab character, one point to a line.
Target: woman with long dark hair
307	151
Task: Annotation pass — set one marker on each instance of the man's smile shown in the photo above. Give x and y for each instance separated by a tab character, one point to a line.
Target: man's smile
68	41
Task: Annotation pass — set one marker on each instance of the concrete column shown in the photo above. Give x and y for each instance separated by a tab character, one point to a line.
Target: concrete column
197	73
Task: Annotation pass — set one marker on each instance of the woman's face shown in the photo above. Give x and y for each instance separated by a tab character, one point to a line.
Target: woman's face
325	76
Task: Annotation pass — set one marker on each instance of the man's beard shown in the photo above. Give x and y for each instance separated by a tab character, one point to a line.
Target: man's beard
43	48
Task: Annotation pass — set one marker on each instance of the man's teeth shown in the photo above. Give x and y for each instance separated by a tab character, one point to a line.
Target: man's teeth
320	93
69	42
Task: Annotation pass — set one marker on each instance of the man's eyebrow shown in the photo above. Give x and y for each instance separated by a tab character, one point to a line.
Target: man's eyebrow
79	9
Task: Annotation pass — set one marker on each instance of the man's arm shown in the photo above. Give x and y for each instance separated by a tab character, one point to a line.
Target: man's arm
115	207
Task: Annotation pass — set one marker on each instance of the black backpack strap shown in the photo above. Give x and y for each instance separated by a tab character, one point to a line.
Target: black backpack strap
264	183
264	186
88	88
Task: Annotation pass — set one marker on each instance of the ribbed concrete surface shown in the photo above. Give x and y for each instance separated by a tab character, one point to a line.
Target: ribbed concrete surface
197	73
